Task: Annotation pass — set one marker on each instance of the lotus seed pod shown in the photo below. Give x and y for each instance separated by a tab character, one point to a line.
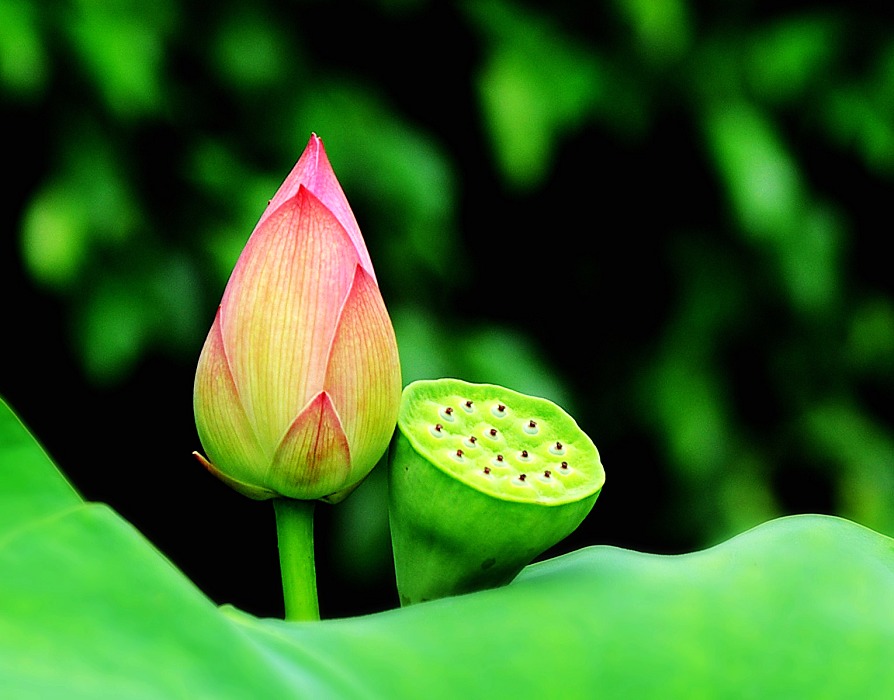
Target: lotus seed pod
482	479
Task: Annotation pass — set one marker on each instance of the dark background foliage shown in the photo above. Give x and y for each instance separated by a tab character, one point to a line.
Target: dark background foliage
668	217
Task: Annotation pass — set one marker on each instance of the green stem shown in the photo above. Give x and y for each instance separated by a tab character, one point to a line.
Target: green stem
295	532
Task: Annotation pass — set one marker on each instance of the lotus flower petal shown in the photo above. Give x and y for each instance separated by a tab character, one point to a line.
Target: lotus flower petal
314	172
221	419
363	377
281	307
313	459
259	493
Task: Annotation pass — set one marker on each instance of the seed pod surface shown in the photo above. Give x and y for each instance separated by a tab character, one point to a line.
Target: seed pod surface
482	480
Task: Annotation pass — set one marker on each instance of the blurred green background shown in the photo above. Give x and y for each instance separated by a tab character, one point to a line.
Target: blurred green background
669	217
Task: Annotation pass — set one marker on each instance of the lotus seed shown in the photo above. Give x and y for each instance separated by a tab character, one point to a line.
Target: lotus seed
493	432
522	477
524	454
447	414
557	449
547	474
564	465
459	453
499	410
436	430
468	406
499	458
487	470
531	428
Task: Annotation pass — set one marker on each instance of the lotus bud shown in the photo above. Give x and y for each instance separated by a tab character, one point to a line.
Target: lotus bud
298	385
482	479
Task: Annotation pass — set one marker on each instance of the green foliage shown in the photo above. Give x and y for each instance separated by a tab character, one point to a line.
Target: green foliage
23	58
535	86
800	607
731	164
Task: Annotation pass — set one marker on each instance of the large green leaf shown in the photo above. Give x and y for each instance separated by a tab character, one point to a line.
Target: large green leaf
30	486
89	609
799	607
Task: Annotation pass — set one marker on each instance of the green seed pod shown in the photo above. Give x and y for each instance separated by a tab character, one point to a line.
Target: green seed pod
482	479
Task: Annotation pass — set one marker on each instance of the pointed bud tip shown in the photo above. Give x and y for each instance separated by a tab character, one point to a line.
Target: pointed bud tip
315	144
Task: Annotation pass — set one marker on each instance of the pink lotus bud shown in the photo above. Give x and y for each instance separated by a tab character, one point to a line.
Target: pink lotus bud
298	386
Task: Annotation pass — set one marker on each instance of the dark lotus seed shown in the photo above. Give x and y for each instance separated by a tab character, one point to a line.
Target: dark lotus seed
439	427
501	408
448	410
493	432
487	470
524	454
459	453
473	439
564	465
558	445
547	474
522	477
468	404
532	424
499	458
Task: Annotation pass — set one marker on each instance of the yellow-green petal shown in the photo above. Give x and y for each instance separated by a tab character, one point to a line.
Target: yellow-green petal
363	377
313	459
222	423
280	311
